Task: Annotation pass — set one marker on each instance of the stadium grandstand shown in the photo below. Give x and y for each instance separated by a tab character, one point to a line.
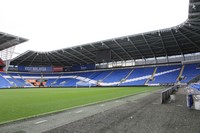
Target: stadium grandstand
161	57
165	57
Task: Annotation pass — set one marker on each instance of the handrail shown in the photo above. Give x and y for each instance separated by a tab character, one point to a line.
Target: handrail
165	95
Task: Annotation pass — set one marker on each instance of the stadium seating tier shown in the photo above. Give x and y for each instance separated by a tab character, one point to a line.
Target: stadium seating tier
118	77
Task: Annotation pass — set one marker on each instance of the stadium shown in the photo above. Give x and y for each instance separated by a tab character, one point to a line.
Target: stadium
120	85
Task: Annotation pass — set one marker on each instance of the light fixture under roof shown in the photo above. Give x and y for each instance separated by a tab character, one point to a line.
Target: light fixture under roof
194	6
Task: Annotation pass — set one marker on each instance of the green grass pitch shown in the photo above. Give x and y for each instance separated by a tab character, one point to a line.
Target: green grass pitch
21	103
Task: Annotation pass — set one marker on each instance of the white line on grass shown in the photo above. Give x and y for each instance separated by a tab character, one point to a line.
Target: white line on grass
79	111
42	121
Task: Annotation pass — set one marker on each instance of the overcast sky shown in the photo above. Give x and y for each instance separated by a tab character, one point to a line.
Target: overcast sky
56	24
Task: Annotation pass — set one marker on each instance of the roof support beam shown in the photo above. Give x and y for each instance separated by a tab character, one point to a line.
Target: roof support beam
197	23
196	27
189	40
136	47
176	42
33	59
89	51
76	57
83	55
48	59
167	58
152	36
20	55
123	49
154	42
103	43
106	47
55	59
194	14
192	20
160	35
188	30
148	45
16	40
183	57
41	60
25	58
194	3
156	60
66	57
93	46
3	36
59	58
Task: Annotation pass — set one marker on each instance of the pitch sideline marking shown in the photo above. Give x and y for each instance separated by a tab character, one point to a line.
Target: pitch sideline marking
42	121
79	111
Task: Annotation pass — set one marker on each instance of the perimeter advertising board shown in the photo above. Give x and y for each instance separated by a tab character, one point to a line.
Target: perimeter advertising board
34	69
58	69
83	67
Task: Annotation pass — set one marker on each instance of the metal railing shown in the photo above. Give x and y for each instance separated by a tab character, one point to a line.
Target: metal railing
165	95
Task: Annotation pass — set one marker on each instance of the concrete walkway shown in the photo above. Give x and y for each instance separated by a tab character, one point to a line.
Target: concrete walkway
145	115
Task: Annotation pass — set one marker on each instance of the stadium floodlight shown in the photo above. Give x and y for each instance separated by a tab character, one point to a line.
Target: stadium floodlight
194	7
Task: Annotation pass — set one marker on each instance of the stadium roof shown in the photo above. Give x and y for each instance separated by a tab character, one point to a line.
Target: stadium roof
179	40
7	40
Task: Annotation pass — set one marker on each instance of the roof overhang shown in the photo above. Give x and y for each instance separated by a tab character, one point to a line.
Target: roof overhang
7	40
